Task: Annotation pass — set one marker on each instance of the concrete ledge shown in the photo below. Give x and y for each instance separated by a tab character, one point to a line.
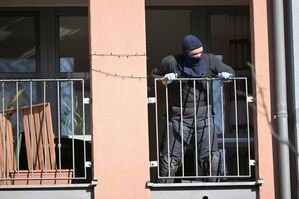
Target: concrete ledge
223	190
49	186
204	184
73	191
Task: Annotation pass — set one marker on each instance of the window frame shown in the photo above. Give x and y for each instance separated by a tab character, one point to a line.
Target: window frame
46	41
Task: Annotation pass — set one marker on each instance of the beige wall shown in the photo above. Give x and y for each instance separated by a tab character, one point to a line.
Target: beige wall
261	60
119	106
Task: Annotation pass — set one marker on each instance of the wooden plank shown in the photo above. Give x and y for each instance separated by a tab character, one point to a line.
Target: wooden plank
30	138
27	137
12	110
51	136
33	136
44	138
39	162
9	147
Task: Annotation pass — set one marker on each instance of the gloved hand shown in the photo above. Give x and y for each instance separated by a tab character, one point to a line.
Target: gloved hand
170	77
225	75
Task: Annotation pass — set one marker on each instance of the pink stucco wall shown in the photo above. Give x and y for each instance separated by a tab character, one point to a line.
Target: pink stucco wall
261	61
119	105
119	119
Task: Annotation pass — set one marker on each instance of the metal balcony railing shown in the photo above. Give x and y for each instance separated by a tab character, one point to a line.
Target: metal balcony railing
227	103
44	136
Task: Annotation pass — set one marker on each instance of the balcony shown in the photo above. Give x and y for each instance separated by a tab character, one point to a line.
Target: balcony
229	115
44	132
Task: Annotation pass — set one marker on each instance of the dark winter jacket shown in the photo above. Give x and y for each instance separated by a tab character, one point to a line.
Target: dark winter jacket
171	64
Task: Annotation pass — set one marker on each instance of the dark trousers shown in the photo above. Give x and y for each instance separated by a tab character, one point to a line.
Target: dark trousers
172	142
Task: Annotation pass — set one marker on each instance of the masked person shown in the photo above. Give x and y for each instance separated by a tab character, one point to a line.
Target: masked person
191	63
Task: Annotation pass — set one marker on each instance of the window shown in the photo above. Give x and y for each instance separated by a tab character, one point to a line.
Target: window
73	31
17	43
46	43
37	47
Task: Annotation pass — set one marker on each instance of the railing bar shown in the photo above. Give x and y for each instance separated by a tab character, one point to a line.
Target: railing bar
83	115
209	127
202	79
157	130
3	131
195	128
198	177
59	126
223	130
23	179
45	129
40	80
182	129
248	133
78	79
73	130
174	177
31	128
167	118
237	133
18	130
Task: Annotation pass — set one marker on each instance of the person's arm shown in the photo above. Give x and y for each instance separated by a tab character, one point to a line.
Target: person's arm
166	68
155	73
218	66
167	65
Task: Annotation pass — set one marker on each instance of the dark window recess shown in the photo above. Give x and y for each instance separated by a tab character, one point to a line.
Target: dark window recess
73	31
17	44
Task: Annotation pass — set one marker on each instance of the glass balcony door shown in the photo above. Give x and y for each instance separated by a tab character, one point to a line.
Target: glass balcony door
46	43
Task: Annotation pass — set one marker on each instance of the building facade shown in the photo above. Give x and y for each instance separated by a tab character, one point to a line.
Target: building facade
91	61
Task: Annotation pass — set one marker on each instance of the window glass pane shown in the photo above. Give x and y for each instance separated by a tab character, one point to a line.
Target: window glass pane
26	95
17	44
73	34
66	109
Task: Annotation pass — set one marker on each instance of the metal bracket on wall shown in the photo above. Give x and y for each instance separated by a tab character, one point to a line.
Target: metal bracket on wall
94	182
153	164
151	100
252	162
86	101
88	164
250	99
260	181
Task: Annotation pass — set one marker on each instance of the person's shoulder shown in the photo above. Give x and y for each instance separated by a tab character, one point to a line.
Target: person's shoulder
209	55
168	59
168	64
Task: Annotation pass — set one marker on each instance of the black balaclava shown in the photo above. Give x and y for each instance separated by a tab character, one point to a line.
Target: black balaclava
191	66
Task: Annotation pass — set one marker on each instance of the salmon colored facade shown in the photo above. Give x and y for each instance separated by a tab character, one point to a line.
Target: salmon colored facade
115	88
119	110
119	105
261	61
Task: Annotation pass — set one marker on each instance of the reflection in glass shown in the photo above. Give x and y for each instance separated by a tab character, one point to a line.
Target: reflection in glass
17	44
75	114
8	90
73	35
